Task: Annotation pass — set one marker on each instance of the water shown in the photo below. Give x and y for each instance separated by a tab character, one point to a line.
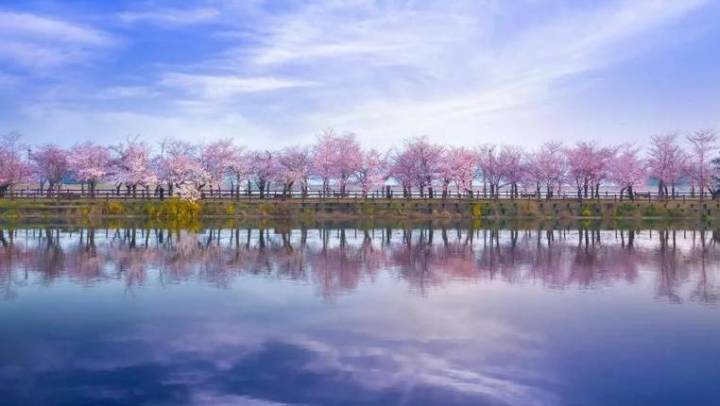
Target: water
350	316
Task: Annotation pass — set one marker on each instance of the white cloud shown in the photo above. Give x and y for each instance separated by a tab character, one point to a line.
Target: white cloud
387	70
208	86
377	34
32	41
64	125
449	74
31	26
171	16
123	92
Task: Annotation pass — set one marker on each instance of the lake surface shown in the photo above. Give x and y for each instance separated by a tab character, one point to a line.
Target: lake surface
423	315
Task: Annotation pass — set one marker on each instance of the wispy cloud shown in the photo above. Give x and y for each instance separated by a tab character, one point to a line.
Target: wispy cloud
33	41
385	69
208	86
454	75
171	16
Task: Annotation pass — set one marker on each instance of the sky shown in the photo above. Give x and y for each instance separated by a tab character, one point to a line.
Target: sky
270	74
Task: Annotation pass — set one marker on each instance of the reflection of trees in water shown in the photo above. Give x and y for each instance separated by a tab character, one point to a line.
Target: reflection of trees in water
683	263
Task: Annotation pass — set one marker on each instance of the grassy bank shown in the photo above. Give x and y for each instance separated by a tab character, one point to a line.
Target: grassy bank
314	209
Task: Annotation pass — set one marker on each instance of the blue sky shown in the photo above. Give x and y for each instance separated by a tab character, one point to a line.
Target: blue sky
274	73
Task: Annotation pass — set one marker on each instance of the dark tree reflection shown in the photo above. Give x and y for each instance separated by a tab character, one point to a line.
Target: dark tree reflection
682	264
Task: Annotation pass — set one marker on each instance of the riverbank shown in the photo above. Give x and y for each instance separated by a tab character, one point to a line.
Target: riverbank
317	209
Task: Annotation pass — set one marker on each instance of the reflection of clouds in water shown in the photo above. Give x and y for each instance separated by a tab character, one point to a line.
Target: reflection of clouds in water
457	353
270	340
230	359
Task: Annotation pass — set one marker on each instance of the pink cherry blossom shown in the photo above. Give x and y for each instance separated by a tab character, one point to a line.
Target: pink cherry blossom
547	169
13	168
703	145
500	167
179	167
371	171
628	170
335	157
90	163
133	166
667	162
588	166
295	165
49	164
219	160
457	166
264	170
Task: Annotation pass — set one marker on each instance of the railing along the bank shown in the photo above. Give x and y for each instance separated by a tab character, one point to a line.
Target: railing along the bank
392	194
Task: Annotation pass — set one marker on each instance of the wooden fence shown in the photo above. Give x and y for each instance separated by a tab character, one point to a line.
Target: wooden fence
228	194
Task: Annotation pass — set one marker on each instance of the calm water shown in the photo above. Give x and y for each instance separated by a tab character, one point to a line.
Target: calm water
347	316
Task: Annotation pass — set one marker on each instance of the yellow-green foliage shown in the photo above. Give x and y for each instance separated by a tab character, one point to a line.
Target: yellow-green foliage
114	208
481	210
588	210
174	210
230	209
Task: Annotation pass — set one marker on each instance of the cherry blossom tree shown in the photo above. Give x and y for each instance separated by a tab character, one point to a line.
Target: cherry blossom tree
401	167
426	157
667	162
458	166
500	167
547	168
50	164
263	170
628	170
512	167
239	169
134	167
295	165
13	168
371	171
90	163
180	168
346	160
219	159
588	166
339	161
491	169
703	144
445	172
336	157
324	158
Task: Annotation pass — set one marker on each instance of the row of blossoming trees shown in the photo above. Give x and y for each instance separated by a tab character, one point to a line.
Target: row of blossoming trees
336	164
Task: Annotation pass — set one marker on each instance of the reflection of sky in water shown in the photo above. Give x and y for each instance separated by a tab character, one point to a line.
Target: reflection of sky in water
344	317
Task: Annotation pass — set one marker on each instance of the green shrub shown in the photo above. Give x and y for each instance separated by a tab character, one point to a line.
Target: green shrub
625	210
650	211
